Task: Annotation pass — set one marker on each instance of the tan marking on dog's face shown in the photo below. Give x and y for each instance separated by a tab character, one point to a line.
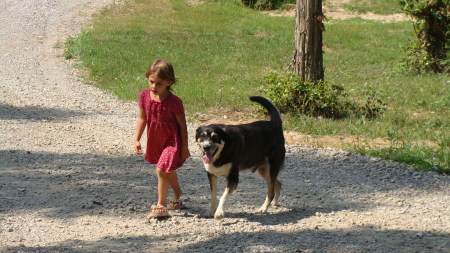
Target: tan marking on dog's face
201	137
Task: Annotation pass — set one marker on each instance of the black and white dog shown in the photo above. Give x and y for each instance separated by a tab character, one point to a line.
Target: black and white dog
228	149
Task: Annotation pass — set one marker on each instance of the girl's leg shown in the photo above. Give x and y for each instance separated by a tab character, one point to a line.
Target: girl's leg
173	181
163	187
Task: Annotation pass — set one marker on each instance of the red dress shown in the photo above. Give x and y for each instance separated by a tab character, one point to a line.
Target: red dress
163	135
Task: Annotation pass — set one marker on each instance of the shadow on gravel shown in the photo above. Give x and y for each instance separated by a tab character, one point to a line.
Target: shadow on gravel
35	113
71	185
283	217
361	239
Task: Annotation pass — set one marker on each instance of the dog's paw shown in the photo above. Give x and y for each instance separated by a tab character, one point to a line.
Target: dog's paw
261	210
209	214
211	211
276	204
219	215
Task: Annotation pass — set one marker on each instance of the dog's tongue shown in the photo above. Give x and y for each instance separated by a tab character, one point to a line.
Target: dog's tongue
207	158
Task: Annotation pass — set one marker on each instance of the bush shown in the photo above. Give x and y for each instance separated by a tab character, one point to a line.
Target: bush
292	95
266	4
260	4
430	52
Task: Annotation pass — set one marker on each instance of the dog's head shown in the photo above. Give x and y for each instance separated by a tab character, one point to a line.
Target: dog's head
211	140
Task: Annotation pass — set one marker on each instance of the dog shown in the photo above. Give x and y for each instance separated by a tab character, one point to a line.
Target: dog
228	149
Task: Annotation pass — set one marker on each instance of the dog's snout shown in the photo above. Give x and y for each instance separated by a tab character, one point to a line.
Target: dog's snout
206	147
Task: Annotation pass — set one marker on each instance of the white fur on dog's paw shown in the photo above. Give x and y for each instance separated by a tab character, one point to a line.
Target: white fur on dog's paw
219	215
261	210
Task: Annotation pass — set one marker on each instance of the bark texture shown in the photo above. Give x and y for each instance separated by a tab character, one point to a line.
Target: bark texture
308	40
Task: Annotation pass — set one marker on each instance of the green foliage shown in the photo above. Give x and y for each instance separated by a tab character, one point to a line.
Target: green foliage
430	52
261	4
71	48
292	95
266	4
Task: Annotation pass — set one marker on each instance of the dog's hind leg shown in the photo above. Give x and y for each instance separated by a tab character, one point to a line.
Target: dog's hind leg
269	172
277	193
264	172
278	165
213	189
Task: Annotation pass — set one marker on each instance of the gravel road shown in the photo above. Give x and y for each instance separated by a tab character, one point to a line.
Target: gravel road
69	181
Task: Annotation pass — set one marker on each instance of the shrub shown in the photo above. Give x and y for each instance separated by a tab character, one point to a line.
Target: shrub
260	4
292	95
432	27
266	4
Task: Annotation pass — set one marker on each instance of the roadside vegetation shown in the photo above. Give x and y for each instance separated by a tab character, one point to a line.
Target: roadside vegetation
384	7
223	51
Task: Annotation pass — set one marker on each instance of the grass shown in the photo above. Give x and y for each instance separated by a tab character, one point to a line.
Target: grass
423	158
378	7
221	51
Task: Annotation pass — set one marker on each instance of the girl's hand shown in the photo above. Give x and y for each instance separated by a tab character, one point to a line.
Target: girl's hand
138	148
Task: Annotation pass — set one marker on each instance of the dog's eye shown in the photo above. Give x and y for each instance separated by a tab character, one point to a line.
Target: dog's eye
215	138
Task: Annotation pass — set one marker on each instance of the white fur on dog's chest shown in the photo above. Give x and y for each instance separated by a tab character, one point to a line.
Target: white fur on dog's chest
223	170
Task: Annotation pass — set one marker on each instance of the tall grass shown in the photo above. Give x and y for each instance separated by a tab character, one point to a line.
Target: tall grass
221	50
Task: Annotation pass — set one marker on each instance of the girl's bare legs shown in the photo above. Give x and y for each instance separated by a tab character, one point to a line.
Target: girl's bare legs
163	187
164	180
173	181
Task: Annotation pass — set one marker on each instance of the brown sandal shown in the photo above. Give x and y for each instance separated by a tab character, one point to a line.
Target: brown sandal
158	211
176	205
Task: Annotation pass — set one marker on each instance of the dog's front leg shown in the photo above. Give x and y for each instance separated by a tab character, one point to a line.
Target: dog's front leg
232	179
213	189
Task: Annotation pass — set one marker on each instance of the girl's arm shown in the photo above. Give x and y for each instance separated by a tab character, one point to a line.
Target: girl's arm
140	127
181	120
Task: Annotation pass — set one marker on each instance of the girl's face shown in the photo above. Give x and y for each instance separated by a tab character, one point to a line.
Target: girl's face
158	86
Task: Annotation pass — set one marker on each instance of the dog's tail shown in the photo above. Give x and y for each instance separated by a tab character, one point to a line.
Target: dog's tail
275	115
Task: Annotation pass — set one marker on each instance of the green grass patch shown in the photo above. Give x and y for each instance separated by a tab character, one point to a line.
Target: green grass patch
222	50
424	158
375	6
219	50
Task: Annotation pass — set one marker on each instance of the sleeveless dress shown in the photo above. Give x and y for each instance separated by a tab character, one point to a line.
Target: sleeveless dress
163	135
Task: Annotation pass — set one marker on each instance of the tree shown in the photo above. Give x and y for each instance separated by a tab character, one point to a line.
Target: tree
432	26
308	58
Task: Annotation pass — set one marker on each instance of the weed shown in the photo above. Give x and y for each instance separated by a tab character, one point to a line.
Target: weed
292	95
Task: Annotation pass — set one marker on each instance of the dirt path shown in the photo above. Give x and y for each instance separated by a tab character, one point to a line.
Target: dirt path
334	9
70	183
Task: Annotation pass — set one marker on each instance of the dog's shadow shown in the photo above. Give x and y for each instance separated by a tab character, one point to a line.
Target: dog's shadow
286	216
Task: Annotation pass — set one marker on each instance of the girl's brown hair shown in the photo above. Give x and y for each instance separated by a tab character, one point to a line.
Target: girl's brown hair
163	70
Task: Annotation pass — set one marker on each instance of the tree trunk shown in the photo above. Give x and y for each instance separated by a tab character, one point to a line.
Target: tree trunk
308	59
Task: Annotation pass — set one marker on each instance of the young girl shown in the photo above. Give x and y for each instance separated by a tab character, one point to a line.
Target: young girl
162	113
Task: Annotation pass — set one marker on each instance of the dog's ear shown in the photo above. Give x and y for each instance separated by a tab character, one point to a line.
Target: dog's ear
197	133
224	130
223	134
